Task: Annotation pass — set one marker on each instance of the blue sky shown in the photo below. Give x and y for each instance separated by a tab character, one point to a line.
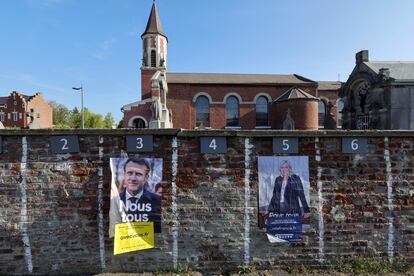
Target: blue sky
52	45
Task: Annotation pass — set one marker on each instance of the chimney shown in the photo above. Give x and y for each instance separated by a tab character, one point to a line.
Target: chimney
361	56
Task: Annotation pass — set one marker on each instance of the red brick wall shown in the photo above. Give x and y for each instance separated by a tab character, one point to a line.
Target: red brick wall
15	104
180	100
141	110
361	205
304	112
332	96
146	75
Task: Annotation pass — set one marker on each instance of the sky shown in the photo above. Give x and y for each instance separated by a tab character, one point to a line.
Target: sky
52	45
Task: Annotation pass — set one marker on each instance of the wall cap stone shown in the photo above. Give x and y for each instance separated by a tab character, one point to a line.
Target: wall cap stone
209	132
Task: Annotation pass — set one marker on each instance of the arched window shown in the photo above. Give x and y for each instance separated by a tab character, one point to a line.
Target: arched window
138	123
262	111
202	106
153	58
321	112
232	112
339	108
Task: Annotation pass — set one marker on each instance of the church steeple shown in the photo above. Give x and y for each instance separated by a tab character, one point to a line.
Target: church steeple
154	54
154	23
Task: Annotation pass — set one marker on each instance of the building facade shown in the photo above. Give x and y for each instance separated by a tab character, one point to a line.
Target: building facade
22	111
200	100
379	94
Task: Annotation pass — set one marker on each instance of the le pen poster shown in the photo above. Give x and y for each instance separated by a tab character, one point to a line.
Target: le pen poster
135	211
284	202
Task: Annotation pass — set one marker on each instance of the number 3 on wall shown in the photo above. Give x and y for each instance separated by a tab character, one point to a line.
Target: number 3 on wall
140	143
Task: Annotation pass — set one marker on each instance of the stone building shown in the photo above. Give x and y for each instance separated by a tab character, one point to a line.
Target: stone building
379	95
22	111
200	100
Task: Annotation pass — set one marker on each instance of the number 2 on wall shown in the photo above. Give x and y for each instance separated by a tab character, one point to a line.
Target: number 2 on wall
65	143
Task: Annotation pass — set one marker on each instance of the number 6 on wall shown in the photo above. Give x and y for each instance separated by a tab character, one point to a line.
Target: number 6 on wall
355	145
64	144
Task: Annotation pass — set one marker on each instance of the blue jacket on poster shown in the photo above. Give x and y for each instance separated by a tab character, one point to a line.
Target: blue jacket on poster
293	194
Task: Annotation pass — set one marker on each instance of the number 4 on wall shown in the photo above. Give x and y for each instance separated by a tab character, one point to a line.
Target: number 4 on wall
213	145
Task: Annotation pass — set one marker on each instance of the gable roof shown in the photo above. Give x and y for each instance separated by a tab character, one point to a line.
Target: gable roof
329	85
399	70
154	23
294	93
212	78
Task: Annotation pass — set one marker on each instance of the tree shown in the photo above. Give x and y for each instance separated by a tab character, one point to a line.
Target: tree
120	124
108	120
65	118
61	115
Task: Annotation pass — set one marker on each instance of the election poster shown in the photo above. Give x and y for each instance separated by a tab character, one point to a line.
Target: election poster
136	192
284	200
133	236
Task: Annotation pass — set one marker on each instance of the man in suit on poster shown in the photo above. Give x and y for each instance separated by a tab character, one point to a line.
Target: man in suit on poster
134	203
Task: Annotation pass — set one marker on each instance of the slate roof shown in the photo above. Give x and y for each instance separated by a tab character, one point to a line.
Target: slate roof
329	85
3	100
399	70
294	93
154	23
212	78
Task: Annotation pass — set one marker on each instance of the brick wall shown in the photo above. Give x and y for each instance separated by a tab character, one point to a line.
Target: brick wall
54	208
180	101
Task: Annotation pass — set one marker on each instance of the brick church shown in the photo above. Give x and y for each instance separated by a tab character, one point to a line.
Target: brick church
217	101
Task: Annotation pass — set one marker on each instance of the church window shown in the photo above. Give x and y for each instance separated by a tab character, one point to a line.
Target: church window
232	112
153	58
339	108
14	116
202	106
1	116
321	112
262	111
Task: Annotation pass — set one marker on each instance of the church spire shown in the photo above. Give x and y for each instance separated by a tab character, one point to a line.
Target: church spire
154	23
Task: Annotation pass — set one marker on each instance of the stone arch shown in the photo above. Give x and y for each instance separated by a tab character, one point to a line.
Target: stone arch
134	122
